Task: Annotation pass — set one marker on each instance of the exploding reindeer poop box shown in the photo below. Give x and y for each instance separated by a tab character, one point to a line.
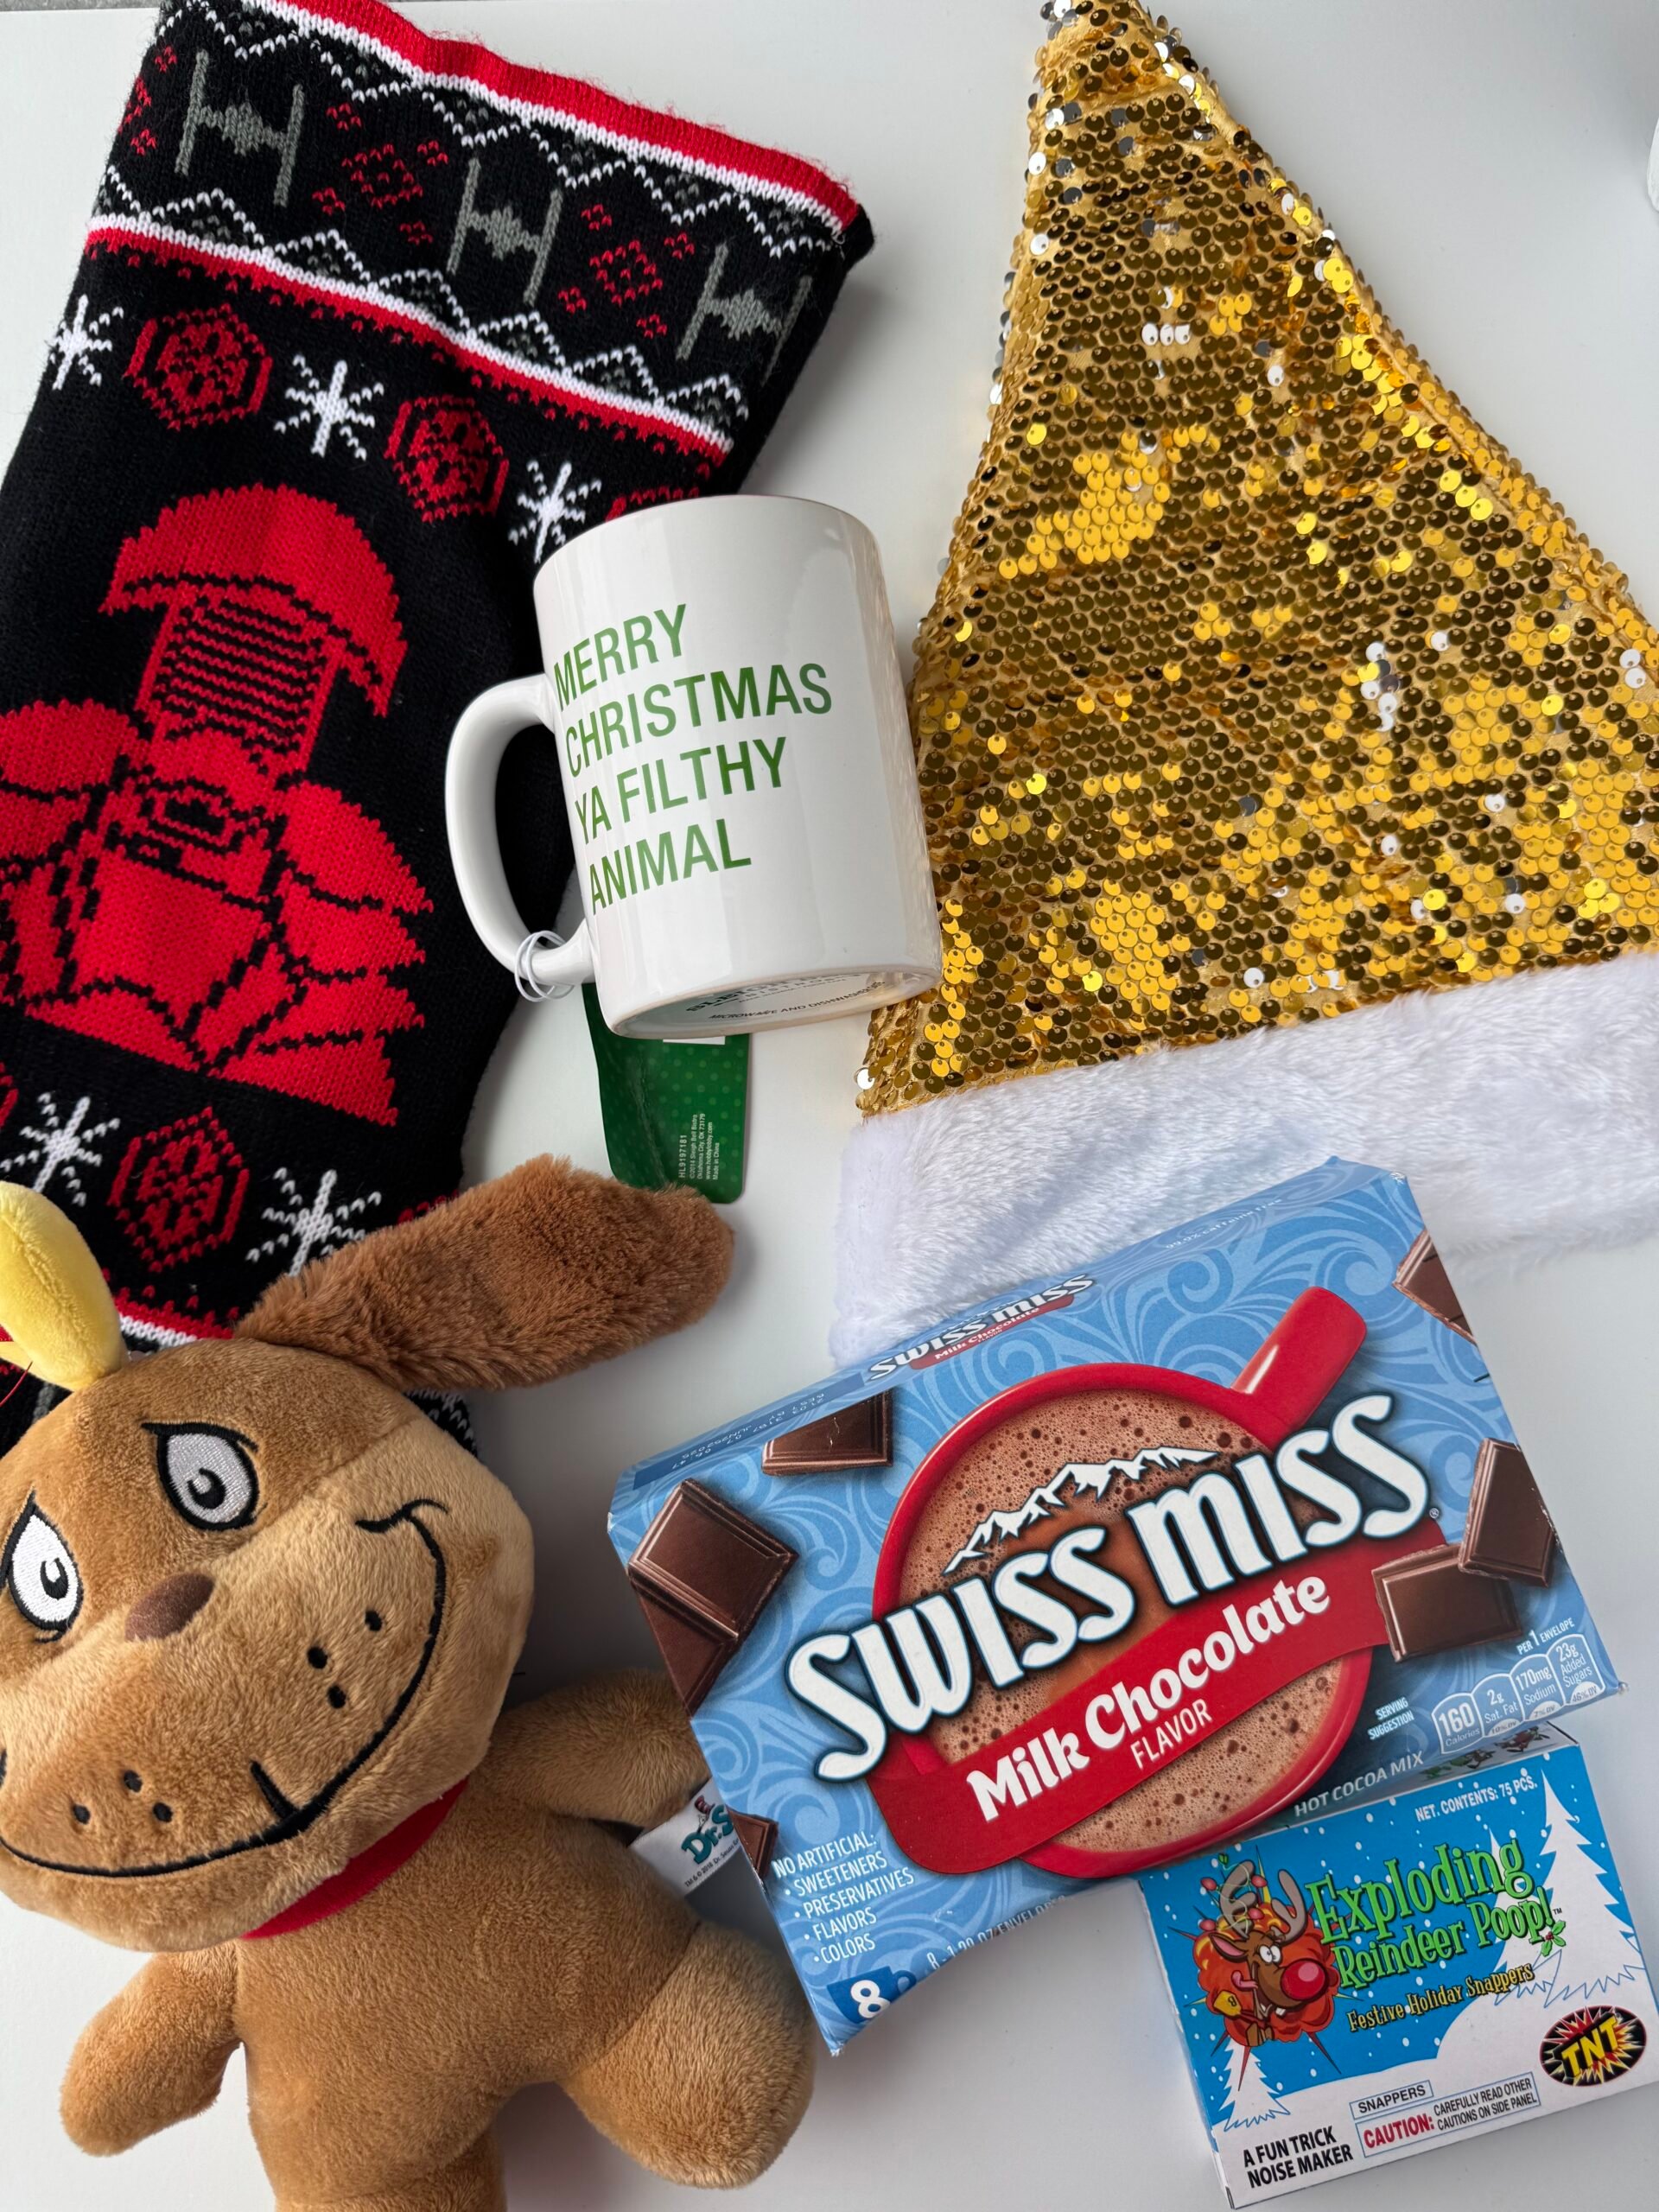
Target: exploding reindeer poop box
1102	1574
1406	1969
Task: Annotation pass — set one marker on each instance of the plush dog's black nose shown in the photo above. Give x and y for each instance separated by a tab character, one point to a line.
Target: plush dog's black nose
165	1609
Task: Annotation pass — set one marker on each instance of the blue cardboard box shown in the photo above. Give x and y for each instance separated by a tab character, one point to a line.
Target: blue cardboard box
1093	1576
1415	1968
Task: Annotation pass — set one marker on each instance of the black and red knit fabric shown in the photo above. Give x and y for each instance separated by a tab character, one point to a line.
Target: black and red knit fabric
368	325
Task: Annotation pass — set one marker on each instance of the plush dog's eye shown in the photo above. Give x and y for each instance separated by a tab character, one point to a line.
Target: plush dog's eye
39	1569
207	1474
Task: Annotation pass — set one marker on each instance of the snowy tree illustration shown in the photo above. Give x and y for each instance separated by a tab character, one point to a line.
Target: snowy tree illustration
1251	2098
1518	1951
1600	1953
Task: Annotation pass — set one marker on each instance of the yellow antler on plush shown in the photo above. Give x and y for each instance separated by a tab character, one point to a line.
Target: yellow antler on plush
54	1305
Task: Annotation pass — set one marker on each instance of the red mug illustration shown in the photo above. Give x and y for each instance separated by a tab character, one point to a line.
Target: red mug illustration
1174	1634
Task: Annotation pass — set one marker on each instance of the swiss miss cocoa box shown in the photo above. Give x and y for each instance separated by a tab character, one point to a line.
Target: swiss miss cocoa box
1099	1574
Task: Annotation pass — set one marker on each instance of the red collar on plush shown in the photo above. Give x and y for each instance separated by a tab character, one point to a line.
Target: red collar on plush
365	1873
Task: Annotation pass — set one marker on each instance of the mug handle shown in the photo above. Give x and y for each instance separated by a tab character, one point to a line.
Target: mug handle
482	735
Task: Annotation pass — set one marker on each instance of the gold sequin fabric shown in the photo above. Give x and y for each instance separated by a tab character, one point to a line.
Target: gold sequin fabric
1260	683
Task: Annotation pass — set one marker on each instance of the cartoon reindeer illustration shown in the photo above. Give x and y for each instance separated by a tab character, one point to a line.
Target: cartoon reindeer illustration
1264	1967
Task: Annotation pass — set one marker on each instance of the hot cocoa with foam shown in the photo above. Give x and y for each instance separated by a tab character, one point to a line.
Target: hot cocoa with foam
1010	1492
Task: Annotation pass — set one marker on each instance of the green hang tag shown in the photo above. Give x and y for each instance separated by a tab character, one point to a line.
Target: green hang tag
673	1112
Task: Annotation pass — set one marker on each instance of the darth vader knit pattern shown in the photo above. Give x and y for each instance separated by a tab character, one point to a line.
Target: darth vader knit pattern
368	325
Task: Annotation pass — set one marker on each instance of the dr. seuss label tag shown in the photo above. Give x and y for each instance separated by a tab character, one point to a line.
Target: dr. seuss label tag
688	1846
673	1112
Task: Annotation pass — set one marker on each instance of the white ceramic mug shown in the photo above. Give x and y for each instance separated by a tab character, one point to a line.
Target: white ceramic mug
724	691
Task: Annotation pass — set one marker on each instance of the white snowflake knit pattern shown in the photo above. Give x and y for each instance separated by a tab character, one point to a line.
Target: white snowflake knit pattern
551	510
325	408
309	1229
73	345
57	1149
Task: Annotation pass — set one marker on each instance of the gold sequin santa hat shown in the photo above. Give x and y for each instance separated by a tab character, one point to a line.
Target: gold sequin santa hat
1262	687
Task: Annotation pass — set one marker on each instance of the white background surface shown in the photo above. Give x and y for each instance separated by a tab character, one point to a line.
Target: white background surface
1482	160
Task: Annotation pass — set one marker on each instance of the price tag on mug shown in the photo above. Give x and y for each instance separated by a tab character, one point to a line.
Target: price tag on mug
673	1112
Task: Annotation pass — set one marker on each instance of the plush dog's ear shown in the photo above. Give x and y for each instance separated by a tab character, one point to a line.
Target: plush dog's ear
540	1271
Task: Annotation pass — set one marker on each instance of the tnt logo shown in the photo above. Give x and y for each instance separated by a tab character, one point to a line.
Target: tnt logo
1592	2045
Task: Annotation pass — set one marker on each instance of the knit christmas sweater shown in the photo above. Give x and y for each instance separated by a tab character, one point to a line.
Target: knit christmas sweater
368	325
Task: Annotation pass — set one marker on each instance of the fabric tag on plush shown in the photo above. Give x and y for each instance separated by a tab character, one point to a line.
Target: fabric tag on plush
673	1112
688	1846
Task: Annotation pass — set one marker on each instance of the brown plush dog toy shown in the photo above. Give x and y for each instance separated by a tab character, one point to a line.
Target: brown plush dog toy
257	1615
